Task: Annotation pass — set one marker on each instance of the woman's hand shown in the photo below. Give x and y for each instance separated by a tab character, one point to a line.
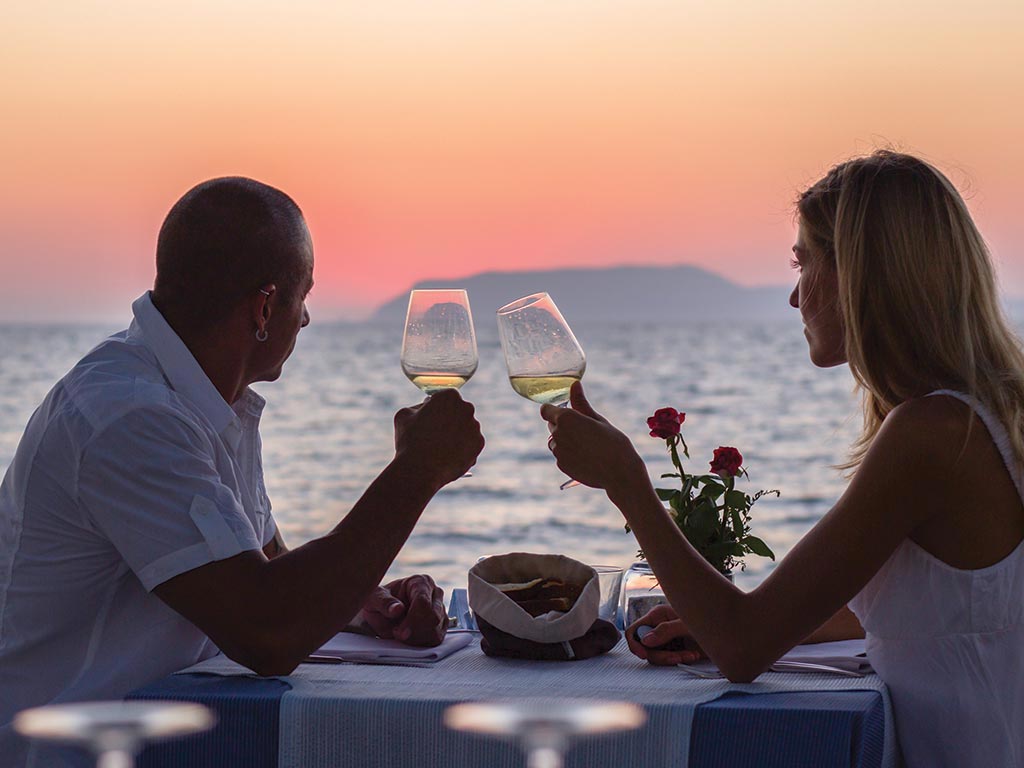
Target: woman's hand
587	447
667	626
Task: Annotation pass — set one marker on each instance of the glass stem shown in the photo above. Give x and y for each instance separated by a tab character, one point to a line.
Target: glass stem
544	757
568	483
115	758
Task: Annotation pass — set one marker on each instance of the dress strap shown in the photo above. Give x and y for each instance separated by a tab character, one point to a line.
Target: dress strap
998	432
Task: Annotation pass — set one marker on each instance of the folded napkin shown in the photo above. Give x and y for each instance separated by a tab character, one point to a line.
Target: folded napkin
348	646
842	657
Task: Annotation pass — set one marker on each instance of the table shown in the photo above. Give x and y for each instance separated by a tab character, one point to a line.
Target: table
391	716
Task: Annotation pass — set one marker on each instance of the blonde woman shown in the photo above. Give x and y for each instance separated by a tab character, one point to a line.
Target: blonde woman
924	547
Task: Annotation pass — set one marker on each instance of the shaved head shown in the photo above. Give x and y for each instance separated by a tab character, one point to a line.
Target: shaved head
222	241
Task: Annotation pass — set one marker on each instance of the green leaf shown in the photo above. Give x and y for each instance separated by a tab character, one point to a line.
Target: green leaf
737	523
666	494
722	549
736	499
758	547
704	518
712	491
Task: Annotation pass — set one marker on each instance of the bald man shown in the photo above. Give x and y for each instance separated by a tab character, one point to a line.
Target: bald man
136	536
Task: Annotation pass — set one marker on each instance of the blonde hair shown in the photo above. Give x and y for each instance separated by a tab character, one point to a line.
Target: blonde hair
917	291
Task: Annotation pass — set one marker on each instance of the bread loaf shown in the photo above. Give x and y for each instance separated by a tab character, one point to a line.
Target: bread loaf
539	596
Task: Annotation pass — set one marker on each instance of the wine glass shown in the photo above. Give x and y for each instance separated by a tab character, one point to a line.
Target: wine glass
542	354
115	731
439	345
544	728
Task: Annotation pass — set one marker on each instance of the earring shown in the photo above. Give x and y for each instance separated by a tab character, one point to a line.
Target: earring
262	335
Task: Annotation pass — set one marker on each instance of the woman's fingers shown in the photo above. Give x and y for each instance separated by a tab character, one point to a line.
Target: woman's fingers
665	628
550	414
580	404
664	632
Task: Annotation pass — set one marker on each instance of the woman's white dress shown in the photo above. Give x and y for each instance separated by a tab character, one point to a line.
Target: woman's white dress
949	644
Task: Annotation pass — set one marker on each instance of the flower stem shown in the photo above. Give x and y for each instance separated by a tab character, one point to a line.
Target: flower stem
675	457
729	485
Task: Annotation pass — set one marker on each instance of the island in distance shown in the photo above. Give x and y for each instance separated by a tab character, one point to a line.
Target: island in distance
651	294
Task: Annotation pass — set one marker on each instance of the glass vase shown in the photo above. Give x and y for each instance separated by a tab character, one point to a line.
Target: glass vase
640	592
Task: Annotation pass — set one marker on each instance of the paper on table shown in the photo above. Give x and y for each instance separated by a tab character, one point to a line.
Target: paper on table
845	654
347	646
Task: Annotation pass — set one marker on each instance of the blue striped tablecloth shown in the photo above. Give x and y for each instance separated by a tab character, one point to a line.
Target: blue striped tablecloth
377	717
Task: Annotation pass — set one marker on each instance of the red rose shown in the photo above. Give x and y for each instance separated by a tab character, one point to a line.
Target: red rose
665	422
726	462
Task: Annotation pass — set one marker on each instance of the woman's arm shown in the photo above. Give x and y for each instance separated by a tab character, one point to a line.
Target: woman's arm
842	626
900	483
667	626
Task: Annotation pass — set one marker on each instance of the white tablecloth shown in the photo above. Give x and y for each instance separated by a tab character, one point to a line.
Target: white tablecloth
337	715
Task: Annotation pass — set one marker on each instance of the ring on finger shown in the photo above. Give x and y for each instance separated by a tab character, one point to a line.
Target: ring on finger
551	443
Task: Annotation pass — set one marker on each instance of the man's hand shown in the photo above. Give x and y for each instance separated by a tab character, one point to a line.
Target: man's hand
667	626
439	438
410	609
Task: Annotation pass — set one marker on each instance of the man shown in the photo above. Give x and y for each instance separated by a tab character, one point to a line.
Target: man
136	536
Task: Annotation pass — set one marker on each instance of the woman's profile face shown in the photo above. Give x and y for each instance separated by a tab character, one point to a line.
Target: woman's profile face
816	295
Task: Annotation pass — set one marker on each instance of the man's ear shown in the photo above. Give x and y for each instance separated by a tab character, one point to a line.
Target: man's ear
263	306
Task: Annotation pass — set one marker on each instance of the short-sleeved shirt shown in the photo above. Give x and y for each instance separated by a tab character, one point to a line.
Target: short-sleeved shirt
132	471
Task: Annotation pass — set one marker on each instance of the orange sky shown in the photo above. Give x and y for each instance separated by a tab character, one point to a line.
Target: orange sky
443	138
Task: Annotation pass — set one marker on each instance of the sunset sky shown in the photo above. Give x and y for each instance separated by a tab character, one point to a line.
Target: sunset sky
438	139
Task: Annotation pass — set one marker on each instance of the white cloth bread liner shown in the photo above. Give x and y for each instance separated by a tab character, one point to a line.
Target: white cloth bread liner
499	610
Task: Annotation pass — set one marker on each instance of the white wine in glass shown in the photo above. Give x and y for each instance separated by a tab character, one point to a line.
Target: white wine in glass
439	346
543	357
543	389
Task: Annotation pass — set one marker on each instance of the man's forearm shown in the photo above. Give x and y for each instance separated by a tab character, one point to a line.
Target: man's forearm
316	589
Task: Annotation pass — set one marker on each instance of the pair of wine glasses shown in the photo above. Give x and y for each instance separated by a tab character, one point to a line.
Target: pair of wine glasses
541	353
116	731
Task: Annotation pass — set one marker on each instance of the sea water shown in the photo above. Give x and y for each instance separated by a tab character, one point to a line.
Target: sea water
327	431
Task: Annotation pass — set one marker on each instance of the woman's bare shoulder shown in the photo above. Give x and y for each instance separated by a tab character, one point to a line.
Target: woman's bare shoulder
975	514
933	407
935	427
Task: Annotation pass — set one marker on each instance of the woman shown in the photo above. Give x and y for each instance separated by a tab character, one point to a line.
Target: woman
924	545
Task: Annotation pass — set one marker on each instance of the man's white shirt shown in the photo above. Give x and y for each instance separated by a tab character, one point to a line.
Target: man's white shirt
133	470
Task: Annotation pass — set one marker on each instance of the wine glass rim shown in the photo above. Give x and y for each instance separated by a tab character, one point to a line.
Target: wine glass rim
523	303
80	721
438	290
571	717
